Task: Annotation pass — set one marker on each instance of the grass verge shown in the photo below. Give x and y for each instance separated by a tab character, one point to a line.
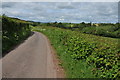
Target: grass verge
84	55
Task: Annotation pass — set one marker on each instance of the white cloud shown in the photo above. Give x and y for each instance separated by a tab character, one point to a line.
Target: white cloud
60	0
64	11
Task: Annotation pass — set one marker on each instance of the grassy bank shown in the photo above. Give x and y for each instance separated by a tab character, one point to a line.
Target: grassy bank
13	32
84	55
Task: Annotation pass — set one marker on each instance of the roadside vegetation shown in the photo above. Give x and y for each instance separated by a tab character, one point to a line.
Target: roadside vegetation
13	31
86	50
1	36
84	55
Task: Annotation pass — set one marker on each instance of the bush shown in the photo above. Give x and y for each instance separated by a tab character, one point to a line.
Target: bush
13	31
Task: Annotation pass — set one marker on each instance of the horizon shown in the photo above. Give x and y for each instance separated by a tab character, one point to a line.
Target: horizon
61	22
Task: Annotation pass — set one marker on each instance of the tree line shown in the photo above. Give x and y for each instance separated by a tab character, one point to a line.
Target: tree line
100	29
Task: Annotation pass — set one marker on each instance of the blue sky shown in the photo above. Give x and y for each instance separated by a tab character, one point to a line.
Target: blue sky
74	12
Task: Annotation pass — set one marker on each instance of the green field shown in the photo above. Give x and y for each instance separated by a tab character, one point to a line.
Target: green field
84	55
99	29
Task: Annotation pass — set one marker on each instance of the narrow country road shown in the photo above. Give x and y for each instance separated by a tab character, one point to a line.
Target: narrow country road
32	59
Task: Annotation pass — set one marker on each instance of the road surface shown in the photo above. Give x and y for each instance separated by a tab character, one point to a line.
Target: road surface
32	59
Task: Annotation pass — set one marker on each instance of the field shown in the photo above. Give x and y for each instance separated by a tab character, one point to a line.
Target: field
84	55
101	29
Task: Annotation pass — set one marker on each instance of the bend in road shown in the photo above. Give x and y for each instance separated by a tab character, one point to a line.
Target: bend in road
32	59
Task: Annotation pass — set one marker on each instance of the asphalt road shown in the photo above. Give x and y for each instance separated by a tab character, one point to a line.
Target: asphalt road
32	59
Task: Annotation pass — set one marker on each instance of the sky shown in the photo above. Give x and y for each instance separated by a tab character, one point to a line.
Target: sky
61	0
74	12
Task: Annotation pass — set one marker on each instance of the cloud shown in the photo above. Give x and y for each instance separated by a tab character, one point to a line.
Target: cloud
65	6
7	5
60	0
63	11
